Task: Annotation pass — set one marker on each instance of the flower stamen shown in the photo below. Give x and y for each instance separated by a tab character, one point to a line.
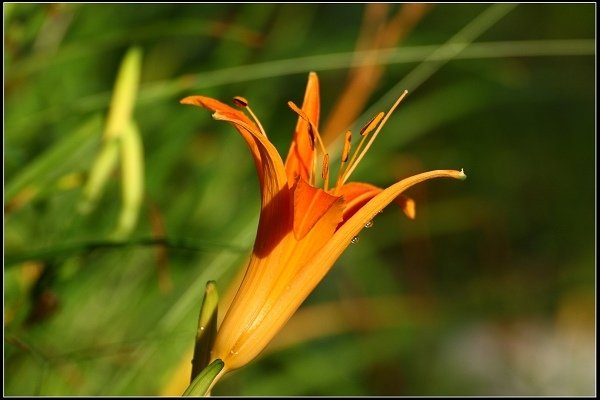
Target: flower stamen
344	159
325	171
347	146
241	102
352	165
372	124
364	132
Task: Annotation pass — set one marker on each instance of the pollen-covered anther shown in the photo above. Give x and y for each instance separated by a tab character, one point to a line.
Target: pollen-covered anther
312	128
243	103
347	146
372	124
240	101
378	122
325	172
301	114
364	132
344	159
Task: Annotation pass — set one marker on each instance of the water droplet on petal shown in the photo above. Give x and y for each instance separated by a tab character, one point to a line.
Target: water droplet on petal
369	224
354	240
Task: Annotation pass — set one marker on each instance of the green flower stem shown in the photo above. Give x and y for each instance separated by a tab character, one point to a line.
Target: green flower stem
207	329
204	382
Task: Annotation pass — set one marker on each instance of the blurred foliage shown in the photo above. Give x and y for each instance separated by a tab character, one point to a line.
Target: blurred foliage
490	291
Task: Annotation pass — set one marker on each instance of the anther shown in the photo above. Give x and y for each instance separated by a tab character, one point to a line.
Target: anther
364	132
345	154
240	101
372	124
243	103
347	144
312	128
355	160
325	171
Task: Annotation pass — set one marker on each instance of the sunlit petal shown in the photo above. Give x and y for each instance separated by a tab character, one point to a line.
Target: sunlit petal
310	204
265	300
299	161
273	224
352	227
357	194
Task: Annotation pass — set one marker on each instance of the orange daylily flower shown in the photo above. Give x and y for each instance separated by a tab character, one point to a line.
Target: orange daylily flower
302	229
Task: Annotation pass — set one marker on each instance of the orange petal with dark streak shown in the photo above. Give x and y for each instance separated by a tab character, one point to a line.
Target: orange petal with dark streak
299	161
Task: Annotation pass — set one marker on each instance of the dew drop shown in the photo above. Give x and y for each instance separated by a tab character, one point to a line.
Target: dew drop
354	240
369	224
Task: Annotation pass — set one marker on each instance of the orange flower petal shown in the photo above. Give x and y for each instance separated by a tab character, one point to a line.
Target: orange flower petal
299	161
305	269
408	206
357	194
275	215
265	302
233	115
351	228
310	204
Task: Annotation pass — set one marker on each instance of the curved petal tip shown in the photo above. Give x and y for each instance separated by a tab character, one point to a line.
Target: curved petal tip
193	100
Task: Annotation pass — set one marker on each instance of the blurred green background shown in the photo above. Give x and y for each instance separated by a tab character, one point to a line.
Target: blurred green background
490	291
